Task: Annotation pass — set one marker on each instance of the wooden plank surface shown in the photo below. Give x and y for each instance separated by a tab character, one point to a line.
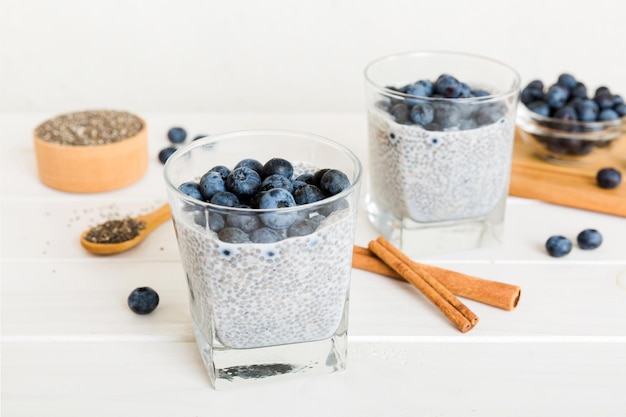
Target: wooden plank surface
568	185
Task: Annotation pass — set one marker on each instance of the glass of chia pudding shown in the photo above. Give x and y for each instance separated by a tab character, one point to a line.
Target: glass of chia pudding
441	130
268	279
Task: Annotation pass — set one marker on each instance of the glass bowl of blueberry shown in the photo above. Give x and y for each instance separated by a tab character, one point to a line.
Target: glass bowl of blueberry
566	123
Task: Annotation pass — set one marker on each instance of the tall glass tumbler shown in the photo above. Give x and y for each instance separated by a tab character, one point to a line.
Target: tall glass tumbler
270	299
440	149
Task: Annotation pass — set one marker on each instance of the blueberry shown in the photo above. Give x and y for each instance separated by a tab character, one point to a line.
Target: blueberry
246	222
580	91
327	209
602	90
566	113
538	84
278	166
589	239
243	182
422	114
402	89
557	96
422	88
252	164
216	222
607	114
224	171
558	246
276	181
567	80
400	113
447	86
191	189
277	198
253	201
447	115
575	101
224	198
165	153
265	235
433	127
540	107
530	94
143	300
617	100
317	176
480	93
587	110
307	194
306	177
608	178
296	185
465	92
211	183
318	218
302	228
620	109
604	100
333	182
233	235
177	135
489	114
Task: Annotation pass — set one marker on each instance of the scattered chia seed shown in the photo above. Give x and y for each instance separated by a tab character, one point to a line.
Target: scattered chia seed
115	231
89	128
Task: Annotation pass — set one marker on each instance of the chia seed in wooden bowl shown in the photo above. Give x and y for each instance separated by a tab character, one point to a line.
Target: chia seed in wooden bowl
91	151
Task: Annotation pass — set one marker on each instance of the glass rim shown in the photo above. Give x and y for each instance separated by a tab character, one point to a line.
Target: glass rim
400	55
354	184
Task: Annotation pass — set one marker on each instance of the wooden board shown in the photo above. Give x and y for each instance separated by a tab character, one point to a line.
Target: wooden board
568	185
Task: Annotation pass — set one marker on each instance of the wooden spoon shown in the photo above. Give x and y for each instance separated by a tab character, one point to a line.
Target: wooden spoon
151	221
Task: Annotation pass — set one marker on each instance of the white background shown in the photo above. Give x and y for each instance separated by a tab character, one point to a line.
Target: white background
278	55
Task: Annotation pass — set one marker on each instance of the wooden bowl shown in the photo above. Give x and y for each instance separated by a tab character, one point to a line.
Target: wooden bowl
92	168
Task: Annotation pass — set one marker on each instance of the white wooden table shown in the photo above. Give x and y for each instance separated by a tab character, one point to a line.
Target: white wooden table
71	347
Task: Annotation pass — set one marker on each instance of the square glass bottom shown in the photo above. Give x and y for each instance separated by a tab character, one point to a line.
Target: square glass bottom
228	367
418	239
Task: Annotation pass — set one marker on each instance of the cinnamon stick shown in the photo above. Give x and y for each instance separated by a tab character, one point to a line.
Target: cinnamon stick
461	316
494	293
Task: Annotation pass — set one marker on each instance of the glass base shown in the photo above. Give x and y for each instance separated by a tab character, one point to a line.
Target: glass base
228	368
418	239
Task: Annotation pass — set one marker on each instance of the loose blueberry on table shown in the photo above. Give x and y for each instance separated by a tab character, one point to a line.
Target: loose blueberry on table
558	246
177	135
251	185
143	300
589	239
165	153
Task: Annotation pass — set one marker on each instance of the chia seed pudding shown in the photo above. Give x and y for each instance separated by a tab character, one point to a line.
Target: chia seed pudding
434	176
255	295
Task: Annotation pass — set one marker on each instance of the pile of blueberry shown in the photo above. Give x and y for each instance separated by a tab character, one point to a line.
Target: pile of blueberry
568	101
559	246
177	136
419	105
253	185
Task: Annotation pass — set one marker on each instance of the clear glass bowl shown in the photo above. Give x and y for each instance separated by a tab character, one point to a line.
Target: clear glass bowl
568	141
